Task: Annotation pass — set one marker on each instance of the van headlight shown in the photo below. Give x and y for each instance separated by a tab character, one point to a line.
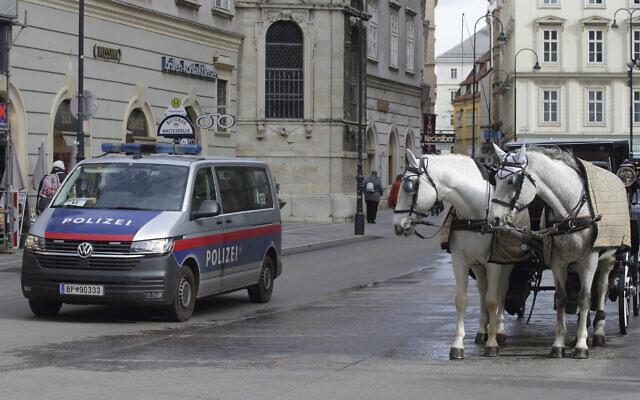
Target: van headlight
34	243
627	175
155	246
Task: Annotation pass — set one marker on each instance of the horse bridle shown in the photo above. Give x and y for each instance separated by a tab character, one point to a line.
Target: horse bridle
518	175
412	187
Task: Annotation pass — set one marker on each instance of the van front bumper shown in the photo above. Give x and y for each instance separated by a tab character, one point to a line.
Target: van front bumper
150	282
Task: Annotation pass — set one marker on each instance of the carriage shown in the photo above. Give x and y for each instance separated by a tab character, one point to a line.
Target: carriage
624	278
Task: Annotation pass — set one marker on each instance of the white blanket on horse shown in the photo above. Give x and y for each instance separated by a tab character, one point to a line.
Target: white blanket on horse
608	198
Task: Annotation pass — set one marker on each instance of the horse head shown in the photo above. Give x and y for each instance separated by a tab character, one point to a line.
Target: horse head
416	197
515	186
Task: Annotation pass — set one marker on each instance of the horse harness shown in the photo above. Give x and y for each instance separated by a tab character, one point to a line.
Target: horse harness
570	224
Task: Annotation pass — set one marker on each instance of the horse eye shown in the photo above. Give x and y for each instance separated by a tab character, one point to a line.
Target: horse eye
408	186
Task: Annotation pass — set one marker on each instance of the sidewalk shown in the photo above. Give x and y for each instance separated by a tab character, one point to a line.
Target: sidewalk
296	237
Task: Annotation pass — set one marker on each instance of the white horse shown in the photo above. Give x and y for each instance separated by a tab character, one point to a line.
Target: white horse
457	180
553	175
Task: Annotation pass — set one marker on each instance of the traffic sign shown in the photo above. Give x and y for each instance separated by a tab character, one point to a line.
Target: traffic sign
90	106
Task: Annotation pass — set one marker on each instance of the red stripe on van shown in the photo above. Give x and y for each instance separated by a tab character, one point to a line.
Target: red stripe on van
190	243
88	236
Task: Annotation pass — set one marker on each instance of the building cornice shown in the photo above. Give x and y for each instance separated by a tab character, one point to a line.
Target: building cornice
572	75
392	85
550	20
150	20
280	6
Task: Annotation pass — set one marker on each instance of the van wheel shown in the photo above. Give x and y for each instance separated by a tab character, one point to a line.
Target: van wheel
261	291
184	297
45	308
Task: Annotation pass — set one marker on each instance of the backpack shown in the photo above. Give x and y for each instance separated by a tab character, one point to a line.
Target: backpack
370	188
50	185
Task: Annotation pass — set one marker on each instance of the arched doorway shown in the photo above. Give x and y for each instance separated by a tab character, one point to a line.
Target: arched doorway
371	150
18	126
137	126
193	116
392	154
65	128
409	144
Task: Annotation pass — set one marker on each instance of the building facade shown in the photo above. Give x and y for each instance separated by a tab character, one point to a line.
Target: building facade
581	90
452	67
138	56
299	105
429	70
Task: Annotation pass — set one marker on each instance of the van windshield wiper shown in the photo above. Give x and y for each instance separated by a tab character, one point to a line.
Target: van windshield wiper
123	208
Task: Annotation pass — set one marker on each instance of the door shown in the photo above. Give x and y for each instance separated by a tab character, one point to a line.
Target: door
206	234
242	257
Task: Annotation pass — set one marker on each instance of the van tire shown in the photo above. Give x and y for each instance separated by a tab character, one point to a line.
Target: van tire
261	291
45	308
184	297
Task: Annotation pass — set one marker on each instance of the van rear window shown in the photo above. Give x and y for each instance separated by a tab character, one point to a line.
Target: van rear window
124	186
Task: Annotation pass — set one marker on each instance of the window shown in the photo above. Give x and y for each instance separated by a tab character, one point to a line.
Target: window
550	106
372	45
636	106
137	124
225	4
454	73
411	44
284	86
636	44
244	189
595	106
550	46
222	86
460	119
595	2
453	94
596	46
550	2
394	40
203	188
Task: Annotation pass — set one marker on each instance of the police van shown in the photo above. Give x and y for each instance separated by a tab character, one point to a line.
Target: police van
155	230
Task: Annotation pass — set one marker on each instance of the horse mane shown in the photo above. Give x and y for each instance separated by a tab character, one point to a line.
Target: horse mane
555	153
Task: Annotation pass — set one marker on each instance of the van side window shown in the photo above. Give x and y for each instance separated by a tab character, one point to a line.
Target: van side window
244	189
203	188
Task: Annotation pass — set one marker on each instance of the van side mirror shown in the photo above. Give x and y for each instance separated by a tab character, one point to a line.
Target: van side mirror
208	208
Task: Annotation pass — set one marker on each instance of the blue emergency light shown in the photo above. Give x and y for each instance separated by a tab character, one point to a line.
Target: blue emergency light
144	148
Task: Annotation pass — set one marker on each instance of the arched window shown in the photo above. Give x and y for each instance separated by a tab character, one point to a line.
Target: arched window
137	124
65	129
284	79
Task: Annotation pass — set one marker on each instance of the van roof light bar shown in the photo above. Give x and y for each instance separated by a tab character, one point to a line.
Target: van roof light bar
145	148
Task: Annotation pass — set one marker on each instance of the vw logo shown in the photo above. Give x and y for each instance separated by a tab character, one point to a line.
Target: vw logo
85	250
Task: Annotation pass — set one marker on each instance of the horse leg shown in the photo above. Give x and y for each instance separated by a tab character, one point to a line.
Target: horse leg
461	272
605	265
505	271
481	281
491	301
560	298
587	270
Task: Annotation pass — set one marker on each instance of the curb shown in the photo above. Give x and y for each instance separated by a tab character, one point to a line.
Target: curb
327	244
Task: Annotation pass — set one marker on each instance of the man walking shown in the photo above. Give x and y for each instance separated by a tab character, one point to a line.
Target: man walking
49	185
372	192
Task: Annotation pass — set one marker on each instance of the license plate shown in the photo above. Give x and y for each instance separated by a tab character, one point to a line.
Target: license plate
81	290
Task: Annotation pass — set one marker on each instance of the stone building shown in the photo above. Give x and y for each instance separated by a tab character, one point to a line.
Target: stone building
129	48
581	90
299	96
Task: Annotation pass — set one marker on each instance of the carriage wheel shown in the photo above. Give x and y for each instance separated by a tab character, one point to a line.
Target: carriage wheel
635	278
624	299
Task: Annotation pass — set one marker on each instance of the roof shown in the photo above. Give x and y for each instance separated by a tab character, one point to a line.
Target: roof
180	160
465	49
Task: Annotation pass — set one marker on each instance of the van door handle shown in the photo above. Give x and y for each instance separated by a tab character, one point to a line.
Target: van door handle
228	221
219	222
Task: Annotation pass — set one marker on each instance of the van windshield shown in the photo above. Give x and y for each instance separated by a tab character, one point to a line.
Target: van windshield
124	186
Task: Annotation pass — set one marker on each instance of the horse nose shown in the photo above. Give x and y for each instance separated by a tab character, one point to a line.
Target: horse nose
497	221
398	229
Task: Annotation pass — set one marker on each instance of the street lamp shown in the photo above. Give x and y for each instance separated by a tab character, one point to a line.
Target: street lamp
635	63
502	39
536	67
357	20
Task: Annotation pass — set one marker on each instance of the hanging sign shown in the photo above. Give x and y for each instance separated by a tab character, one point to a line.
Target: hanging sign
176	127
216	121
176	108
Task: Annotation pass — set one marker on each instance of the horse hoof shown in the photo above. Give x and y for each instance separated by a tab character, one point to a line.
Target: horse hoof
491	351
481	338
501	338
598	340
558	352
581	354
456	354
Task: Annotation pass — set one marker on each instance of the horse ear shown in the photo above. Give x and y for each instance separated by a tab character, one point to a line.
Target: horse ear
412	159
499	151
521	155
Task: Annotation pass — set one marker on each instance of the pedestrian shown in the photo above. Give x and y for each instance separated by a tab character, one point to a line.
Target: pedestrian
393	193
49	185
372	192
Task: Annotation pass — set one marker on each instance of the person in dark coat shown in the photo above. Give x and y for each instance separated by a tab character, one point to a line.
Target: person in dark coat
58	169
372	192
